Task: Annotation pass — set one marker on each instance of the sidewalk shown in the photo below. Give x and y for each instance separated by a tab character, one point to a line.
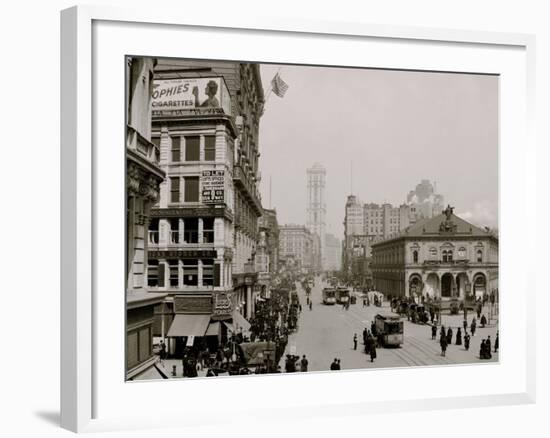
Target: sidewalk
167	367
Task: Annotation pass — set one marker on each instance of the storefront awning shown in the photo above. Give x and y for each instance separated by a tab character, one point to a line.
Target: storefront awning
239	322
229	326
189	325
213	329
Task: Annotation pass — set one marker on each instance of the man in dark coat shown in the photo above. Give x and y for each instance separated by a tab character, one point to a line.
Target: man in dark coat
434	331
467	341
365	336
372	351
496	343
442	332
443	344
459	337
473	327
483	321
482	350
465	325
449	336
355	341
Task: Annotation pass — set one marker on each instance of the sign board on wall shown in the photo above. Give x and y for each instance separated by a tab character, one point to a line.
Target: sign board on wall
223	305
213	184
192	95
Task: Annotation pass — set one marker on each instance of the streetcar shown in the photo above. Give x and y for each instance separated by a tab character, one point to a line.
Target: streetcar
329	296
389	329
342	295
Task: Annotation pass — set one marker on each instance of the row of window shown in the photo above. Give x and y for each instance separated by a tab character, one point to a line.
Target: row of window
187	272
190	145
447	255
190	232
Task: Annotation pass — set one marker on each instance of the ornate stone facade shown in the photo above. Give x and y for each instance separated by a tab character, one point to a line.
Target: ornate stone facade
443	257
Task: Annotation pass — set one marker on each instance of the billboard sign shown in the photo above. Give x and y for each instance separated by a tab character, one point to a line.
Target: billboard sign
213	186
190	96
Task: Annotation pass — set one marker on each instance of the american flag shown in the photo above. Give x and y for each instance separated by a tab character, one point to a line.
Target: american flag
278	86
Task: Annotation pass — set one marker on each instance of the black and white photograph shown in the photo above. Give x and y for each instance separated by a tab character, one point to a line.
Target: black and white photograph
302	218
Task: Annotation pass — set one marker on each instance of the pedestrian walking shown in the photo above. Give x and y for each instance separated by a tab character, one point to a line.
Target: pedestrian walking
458	337
372	351
162	352
355	341
482	349
310	305
364	302
488	348
365	336
478	310
496	343
449	336
443	344
483	321
303	364
466	341
334	365
473	326
434	332
465	325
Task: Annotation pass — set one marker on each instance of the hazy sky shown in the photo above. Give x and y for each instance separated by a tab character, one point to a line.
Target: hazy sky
393	128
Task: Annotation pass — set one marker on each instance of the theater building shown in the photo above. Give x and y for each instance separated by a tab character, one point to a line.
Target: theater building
444	257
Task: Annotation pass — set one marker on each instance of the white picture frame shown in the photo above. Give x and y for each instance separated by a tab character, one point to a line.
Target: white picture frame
91	398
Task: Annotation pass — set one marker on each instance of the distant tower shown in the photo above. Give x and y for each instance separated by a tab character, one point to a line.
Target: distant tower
317	210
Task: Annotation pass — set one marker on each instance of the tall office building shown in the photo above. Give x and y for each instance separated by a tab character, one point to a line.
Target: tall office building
317	211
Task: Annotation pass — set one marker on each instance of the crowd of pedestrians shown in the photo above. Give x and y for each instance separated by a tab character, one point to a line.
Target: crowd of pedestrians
462	337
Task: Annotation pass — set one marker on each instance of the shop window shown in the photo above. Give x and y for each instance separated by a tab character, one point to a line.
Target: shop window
191	189
191	272
192	148
208	230
210	148
176	150
191	230
175	189
208	272
174	273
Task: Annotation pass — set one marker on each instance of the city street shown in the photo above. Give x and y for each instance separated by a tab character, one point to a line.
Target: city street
326	332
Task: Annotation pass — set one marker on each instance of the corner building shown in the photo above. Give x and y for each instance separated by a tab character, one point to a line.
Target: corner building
204	232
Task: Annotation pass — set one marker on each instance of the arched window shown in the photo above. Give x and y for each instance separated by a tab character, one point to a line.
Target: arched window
461	253
479	256
415	256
